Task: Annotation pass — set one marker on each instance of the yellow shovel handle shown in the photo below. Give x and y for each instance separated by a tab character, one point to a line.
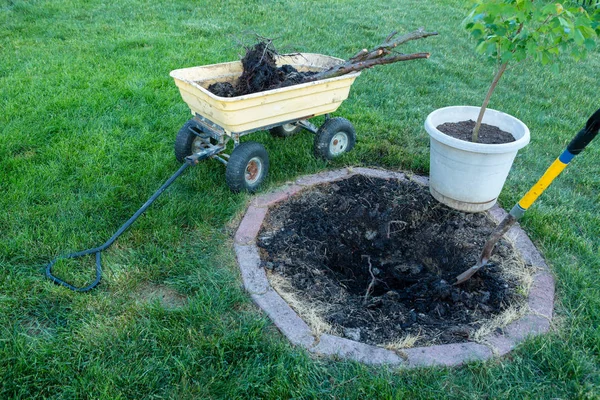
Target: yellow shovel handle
576	146
542	184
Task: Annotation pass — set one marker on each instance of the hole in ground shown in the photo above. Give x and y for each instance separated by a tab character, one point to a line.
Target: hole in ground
374	258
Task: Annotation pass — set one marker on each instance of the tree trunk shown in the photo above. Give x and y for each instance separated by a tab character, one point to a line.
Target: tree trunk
475	135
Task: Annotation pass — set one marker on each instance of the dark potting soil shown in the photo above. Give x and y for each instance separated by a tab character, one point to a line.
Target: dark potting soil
260	73
381	255
488	134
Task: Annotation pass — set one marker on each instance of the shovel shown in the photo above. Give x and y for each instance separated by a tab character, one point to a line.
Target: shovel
582	139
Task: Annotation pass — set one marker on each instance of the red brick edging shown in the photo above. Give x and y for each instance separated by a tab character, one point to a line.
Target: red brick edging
536	321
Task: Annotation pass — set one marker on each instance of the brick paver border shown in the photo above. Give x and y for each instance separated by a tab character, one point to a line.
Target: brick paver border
536	321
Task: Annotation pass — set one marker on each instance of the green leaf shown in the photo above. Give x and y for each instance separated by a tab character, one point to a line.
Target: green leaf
546	59
587	31
520	54
481	47
476	33
579	39
479	17
563	22
507	56
589	44
500	30
564	46
549	9
516	30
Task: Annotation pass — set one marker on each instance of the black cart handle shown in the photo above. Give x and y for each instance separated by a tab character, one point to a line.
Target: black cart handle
586	135
191	160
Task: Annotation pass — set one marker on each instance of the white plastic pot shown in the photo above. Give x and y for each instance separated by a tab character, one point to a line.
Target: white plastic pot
469	176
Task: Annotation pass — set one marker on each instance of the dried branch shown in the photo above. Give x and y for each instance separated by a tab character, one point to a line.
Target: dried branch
380	55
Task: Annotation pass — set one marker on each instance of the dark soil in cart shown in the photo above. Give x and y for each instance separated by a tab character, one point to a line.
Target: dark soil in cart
260	73
378	256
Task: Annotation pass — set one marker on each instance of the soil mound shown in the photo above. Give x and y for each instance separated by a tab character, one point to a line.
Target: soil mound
488	134
374	258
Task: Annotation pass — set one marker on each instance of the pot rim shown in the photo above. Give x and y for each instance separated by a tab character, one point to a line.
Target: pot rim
441	115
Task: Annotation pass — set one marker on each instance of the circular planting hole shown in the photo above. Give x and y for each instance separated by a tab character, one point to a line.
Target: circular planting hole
373	260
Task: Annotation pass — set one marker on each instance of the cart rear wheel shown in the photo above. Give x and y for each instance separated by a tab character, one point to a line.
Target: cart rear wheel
247	167
188	140
335	137
285	130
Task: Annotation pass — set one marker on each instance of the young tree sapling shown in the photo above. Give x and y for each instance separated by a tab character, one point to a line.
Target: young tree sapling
511	31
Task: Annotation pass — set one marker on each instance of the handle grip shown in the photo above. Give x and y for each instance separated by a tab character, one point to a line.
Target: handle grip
66	284
586	135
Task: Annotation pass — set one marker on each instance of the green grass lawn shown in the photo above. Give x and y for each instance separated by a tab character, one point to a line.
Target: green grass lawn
88	119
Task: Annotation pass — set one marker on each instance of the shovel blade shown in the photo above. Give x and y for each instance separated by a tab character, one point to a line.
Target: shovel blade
467	274
500	230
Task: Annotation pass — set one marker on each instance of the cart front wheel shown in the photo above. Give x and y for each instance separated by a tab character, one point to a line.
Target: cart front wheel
335	137
247	167
285	130
188	140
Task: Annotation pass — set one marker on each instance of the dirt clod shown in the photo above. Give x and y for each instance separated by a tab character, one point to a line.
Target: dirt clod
380	254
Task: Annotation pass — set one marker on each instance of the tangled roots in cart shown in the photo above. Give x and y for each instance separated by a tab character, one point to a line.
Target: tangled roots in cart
260	73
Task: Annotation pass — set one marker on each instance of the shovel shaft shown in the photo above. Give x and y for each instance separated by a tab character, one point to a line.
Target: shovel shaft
576	146
542	184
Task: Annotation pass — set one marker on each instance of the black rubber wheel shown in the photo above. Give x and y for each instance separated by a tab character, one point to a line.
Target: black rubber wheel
247	167
188	140
335	137
285	130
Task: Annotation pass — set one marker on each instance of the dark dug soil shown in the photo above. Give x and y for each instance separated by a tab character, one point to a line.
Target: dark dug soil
260	73
488	134
379	254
